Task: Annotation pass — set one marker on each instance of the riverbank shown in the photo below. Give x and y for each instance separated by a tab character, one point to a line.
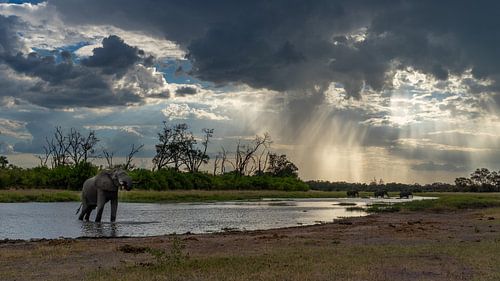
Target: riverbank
171	196
421	245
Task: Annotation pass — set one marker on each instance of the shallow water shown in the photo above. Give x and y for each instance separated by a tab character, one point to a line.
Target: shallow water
54	220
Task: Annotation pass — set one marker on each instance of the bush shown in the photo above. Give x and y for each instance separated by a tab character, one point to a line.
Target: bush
73	177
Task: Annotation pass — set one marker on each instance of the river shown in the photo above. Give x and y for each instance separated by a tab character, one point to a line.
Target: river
55	220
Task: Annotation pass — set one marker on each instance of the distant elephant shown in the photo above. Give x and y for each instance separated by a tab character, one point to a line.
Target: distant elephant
405	194
100	189
352	193
380	193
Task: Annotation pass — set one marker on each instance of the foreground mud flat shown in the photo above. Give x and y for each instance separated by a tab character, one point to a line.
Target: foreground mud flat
463	245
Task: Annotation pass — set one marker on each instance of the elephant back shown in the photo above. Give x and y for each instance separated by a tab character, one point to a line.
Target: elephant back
104	181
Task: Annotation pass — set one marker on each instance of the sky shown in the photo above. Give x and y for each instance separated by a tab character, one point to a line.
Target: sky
406	91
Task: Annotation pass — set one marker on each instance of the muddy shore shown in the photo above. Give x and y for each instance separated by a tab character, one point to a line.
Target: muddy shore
79	259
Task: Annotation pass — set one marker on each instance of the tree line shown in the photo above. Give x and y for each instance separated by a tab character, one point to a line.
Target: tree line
181	160
481	180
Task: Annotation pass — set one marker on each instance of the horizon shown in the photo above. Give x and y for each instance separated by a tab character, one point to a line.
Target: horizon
404	91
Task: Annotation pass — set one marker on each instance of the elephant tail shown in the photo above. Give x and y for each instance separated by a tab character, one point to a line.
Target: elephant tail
78	210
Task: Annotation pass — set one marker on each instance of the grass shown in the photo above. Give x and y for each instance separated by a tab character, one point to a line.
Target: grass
332	262
445	202
451	201
174	196
218	195
38	195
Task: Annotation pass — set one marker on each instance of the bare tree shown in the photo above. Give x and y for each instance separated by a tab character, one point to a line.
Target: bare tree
193	157
67	149
108	155
80	147
216	163
220	160
57	147
44	158
128	159
245	153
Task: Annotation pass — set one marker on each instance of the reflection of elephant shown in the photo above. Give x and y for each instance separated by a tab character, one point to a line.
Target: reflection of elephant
405	194
103	188
380	193
352	193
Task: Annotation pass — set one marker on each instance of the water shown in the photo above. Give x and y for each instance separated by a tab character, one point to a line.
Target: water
54	220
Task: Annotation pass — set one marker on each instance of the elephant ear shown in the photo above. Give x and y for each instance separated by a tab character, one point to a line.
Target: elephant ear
104	181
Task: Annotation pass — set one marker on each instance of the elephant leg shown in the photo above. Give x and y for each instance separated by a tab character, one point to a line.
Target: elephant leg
101	200
114	207
89	211
82	212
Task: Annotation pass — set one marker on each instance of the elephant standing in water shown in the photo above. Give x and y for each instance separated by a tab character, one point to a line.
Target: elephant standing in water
406	194
100	189
380	193
353	193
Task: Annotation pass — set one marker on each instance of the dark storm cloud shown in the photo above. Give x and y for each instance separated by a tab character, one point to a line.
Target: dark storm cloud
115	56
65	84
186	91
8	39
296	45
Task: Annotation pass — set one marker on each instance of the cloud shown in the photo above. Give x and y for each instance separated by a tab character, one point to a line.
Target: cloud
115	57
185	91
9	42
283	45
435	167
43	28
184	111
55	81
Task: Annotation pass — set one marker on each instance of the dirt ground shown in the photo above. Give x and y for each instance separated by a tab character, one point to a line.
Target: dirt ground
73	259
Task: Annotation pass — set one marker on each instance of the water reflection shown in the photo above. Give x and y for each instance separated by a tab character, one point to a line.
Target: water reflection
53	220
100	229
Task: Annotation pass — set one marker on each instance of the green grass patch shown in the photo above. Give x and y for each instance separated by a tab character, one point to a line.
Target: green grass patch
383	208
174	196
38	195
179	196
445	202
452	201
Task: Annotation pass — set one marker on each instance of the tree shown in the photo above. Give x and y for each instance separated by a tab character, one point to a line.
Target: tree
72	148
128	159
220	159
245	154
463	183
481	178
168	150
280	166
194	157
80	147
178	147
4	163
108	155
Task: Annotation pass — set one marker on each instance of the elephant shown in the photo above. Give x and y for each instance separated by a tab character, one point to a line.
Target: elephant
405	194
380	193
352	193
98	190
